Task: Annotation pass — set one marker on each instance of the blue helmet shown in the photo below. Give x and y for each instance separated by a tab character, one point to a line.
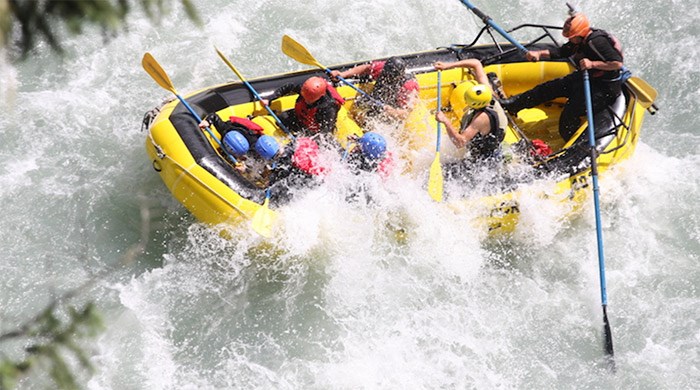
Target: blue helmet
236	143
267	146
373	145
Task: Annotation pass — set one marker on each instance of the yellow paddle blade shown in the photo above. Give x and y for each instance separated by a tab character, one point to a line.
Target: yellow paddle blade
298	52
435	179
264	219
645	92
230	65
153	68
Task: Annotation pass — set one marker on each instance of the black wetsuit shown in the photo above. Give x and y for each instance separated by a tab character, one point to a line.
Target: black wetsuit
224	127
286	178
605	85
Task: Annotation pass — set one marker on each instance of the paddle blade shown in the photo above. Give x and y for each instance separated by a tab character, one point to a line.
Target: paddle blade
230	65
297	52
608	340
435	179
264	219
153	68
646	94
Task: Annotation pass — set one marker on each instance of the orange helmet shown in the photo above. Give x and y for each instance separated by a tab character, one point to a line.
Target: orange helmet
576	25
313	89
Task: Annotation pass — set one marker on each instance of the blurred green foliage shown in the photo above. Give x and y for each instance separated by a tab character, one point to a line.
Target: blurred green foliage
51	338
22	22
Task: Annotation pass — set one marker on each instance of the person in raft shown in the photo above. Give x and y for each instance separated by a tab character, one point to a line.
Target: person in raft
315	110
237	134
483	120
396	90
292	166
371	155
591	49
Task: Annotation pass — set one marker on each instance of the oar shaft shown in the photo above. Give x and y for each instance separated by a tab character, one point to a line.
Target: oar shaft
599	231
353	86
487	19
267	107
594	175
439	107
253	91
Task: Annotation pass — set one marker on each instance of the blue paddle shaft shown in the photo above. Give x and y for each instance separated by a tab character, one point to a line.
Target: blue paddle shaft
487	19
199	120
439	107
351	85
269	110
594	174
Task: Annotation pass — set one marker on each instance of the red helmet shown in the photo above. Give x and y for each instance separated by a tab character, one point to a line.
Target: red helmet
576	25
313	89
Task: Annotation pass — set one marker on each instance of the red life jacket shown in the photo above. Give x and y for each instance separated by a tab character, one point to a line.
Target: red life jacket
307	114
247	123
386	166
306	157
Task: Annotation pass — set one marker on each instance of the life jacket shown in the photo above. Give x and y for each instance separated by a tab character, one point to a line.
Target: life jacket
588	42
486	146
306	114
306	157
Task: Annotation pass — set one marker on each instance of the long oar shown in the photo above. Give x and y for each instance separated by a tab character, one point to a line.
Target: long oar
435	180
599	230
154	69
594	169
254	92
487	19
263	218
297	52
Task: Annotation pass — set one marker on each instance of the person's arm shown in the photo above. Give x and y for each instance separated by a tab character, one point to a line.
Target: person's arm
536	55
214	120
459	139
585	63
286	89
354	71
471	63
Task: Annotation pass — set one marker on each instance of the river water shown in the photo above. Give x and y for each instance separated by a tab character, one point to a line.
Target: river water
337	302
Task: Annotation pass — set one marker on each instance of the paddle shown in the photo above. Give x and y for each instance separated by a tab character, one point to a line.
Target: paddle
435	179
153	68
599	231
594	171
264	218
263	226
646	94
254	92
297	52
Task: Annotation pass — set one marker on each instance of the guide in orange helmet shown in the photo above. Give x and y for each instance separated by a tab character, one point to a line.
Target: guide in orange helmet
591	49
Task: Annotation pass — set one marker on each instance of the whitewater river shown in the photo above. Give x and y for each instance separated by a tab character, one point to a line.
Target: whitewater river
338	302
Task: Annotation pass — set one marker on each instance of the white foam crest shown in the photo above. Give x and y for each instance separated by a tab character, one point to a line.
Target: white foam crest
150	317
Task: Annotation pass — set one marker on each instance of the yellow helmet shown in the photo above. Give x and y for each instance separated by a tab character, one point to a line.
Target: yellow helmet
470	94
